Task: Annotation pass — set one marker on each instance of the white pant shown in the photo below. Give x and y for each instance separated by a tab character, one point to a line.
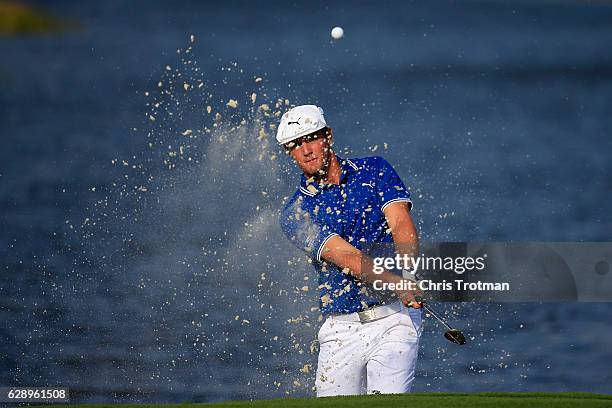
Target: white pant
373	357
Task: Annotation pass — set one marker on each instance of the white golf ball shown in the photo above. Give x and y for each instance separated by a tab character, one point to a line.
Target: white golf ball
337	33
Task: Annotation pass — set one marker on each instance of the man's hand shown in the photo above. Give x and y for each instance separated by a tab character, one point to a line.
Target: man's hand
411	298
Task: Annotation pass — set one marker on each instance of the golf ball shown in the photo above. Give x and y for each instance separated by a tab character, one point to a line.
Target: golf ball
337	33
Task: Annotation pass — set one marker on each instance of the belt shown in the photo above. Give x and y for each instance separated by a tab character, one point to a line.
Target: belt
370	315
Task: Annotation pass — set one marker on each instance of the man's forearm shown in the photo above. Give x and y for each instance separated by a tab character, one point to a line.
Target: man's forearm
403	231
368	275
351	260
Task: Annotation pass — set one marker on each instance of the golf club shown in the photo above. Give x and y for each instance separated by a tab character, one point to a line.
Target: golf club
452	335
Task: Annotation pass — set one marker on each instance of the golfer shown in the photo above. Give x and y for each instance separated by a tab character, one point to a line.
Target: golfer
344	211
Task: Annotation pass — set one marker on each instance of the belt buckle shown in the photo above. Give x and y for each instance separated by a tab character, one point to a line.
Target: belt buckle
366	315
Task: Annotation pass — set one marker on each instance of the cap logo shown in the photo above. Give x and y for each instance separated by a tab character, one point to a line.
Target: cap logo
297	122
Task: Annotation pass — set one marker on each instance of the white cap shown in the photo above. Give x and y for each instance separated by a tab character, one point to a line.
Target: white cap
300	121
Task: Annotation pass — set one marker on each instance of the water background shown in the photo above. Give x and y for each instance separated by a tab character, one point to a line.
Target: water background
130	274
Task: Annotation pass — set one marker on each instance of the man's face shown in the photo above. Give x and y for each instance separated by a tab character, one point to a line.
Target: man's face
312	152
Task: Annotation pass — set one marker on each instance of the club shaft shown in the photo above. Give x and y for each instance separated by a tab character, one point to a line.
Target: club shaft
435	315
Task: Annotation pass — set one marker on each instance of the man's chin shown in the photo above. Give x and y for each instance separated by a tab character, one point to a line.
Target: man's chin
313	170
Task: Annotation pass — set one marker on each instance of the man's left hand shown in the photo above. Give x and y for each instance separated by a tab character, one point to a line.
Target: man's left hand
411	298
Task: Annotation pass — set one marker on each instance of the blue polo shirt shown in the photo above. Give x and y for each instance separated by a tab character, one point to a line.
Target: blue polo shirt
354	211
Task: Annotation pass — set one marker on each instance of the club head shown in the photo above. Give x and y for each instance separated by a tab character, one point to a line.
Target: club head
455	336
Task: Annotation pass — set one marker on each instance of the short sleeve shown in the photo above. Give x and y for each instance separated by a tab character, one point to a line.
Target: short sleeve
390	187
304	232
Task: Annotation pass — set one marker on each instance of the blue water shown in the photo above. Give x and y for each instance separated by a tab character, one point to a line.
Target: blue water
496	115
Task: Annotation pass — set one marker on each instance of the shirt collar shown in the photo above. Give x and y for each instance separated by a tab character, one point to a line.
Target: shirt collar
312	188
